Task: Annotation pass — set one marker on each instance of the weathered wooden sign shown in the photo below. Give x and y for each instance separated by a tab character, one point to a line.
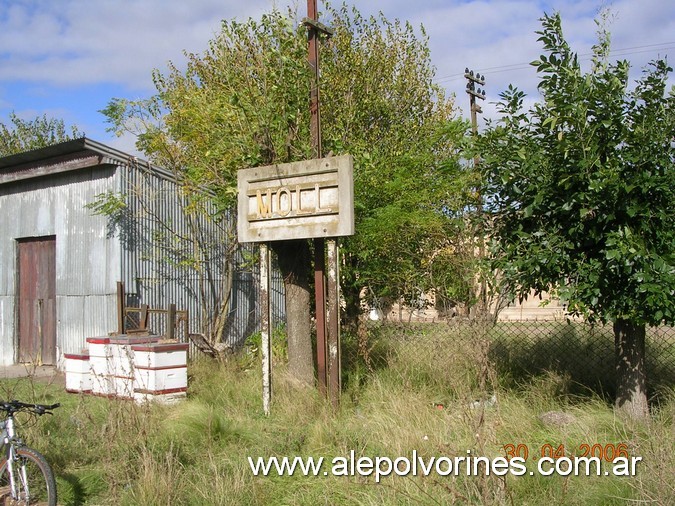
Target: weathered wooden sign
300	200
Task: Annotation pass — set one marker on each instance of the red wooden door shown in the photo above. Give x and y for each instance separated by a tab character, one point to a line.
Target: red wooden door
37	300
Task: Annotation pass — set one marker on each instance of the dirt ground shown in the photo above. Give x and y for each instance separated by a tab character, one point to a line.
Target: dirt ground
43	373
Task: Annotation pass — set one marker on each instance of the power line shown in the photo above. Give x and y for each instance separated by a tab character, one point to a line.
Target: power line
647	48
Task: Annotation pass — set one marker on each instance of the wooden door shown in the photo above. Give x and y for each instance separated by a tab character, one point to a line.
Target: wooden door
37	300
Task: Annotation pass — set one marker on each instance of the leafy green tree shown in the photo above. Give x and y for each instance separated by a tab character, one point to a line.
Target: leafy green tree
380	104
581	191
24	135
245	102
242	103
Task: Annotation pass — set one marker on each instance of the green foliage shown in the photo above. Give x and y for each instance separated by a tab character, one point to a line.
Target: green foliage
581	187
25	135
109	204
253	347
107	451
244	102
380	105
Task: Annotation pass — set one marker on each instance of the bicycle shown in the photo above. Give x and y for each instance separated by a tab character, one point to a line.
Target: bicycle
26	477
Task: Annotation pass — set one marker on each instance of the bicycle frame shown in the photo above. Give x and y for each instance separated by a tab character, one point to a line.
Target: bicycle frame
19	471
8	438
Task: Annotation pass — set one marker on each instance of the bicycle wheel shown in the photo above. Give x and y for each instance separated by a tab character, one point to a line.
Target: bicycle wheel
33	479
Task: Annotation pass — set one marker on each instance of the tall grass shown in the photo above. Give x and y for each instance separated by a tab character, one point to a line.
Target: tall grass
424	391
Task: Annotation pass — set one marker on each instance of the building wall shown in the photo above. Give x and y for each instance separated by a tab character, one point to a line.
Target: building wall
87	258
175	248
545	308
147	245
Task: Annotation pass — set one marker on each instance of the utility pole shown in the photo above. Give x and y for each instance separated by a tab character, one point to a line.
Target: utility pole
476	93
313	29
326	294
319	244
473	95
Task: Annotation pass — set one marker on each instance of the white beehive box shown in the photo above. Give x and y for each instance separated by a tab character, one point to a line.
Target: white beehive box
100	361
130	367
99	346
161	380
160	372
122	387
78	374
122	354
160	355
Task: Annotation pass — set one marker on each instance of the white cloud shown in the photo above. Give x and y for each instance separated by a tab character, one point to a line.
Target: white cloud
115	44
79	42
498	39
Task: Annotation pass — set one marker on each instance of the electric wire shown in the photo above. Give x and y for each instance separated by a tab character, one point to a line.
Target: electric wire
626	51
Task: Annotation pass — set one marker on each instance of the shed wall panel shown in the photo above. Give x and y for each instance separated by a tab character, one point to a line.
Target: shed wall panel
146	249
87	258
160	266
7	322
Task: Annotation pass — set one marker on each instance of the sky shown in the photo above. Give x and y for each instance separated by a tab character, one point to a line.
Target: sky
68	58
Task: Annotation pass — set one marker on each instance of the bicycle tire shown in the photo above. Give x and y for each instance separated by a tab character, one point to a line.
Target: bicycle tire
40	477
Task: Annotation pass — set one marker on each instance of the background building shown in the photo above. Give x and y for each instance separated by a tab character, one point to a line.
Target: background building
78	217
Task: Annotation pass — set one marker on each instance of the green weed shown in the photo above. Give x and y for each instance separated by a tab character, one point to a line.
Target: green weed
431	393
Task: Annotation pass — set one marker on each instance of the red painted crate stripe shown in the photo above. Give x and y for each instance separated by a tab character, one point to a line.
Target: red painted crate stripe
75	356
98	340
160	392
162	368
160	348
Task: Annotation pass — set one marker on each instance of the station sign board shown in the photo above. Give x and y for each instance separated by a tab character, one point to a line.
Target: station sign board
300	200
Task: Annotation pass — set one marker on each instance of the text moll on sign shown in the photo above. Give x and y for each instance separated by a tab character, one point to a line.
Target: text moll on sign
296	201
300	200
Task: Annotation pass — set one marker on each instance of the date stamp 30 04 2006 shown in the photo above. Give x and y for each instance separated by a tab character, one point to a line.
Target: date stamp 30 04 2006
586	459
608	452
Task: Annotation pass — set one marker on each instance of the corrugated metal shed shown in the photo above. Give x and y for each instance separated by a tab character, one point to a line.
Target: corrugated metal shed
150	245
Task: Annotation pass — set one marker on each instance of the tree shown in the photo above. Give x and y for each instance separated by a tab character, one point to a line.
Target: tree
245	102
581	191
25	135
380	104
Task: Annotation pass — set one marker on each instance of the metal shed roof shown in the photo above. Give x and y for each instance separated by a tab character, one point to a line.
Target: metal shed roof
60	149
71	149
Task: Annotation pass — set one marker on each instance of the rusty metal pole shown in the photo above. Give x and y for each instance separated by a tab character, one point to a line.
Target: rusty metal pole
265	327
319	244
314	101
120	308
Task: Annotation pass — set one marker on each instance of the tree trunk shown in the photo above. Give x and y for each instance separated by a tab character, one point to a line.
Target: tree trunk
295	264
631	392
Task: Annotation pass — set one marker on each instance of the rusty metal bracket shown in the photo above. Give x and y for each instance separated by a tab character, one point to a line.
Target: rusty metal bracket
318	26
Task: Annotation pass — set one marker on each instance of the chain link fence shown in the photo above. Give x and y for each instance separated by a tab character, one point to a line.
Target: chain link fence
518	350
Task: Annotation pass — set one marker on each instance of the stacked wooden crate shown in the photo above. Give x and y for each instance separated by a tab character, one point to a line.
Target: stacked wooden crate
100	365
160	371
78	372
140	368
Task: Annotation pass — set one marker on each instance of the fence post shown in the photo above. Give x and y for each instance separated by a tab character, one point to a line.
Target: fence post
265	327
120	308
171	322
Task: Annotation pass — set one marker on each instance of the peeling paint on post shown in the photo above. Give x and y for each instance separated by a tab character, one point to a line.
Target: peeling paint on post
333	322
320	298
265	333
311	199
